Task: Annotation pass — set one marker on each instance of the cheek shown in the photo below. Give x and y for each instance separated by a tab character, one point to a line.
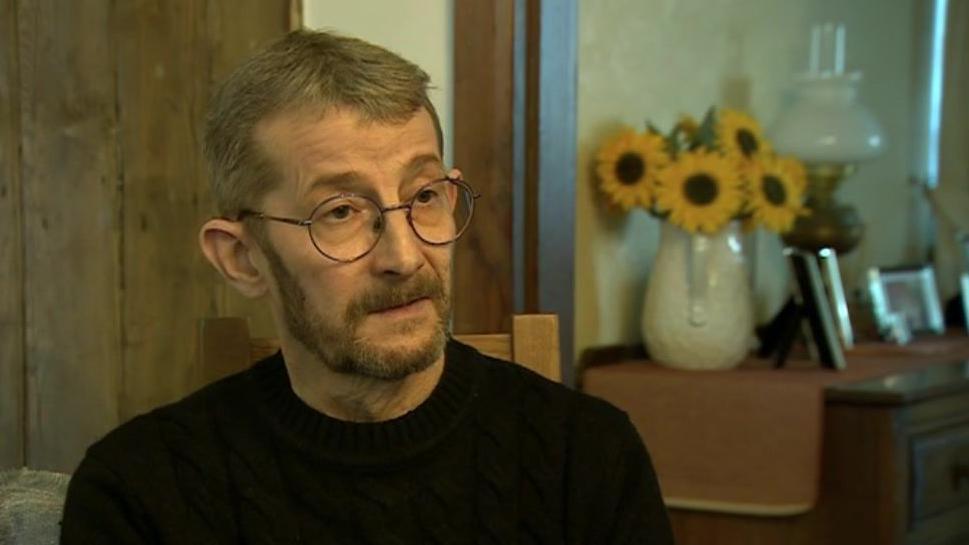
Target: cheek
331	291
326	287
440	260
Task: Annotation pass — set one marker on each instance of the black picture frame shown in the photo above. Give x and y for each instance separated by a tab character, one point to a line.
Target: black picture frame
817	323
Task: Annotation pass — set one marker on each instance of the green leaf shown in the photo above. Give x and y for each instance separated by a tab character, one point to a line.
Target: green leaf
707	134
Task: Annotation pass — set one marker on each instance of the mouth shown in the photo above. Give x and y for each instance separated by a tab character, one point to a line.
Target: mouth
406	308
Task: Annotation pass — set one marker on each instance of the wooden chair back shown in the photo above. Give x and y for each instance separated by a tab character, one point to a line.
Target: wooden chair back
226	346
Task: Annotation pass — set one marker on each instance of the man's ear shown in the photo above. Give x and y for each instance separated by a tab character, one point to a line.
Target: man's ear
232	253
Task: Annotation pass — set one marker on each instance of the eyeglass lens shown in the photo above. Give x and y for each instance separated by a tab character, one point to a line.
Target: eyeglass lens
347	227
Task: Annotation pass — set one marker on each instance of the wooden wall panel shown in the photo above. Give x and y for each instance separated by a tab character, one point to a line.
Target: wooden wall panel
484	150
162	93
237	38
72	203
172	56
11	247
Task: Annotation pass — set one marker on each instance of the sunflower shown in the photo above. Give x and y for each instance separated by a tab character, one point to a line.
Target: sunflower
627	165
776	191
701	191
739	135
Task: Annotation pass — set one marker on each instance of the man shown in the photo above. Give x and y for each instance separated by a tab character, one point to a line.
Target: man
370	425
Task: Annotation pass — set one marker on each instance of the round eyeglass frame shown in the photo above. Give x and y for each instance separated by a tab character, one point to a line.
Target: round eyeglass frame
406	205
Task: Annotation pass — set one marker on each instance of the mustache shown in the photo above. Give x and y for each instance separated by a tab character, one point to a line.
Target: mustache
386	297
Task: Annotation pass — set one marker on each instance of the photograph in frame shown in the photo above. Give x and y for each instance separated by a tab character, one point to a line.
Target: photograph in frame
818	320
909	291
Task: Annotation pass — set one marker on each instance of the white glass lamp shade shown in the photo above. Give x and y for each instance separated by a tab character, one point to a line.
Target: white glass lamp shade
826	123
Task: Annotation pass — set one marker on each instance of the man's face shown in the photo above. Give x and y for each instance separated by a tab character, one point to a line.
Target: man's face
384	315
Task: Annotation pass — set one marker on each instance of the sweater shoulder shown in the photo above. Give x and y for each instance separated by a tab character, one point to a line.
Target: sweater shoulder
586	411
183	423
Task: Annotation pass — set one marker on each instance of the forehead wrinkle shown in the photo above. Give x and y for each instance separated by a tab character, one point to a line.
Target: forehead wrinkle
419	162
351	180
307	154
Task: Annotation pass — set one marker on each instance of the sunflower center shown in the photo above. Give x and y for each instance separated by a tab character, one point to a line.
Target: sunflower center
747	142
701	189
630	168
774	190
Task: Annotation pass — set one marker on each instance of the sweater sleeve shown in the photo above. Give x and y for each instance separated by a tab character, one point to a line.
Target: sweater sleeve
100	509
616	493
639	515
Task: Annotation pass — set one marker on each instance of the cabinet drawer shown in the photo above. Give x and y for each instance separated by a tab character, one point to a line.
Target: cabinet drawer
940	471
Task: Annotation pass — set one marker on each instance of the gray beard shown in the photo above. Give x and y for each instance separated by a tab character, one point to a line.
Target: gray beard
337	345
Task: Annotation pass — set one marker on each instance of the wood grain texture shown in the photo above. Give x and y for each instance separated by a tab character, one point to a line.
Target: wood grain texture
484	151
496	345
295	14
72	202
162	92
224	348
536	344
102	191
11	247
232	40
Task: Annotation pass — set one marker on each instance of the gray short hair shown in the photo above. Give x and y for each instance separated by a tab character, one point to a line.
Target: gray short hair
303	69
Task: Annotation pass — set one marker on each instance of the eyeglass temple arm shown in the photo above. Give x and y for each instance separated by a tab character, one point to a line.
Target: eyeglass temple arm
293	221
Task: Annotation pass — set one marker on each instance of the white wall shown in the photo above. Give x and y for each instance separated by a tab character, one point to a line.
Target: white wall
655	59
422	31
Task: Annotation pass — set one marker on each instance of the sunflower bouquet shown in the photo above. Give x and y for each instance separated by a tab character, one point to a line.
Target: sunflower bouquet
700	176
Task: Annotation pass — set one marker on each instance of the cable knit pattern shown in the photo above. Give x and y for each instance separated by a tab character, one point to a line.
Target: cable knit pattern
495	455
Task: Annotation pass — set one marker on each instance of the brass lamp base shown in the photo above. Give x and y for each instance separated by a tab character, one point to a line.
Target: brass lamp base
830	224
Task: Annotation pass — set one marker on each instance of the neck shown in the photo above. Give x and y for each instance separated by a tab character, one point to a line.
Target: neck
357	398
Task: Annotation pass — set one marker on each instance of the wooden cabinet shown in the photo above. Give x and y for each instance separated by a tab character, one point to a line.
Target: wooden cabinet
940	472
894	467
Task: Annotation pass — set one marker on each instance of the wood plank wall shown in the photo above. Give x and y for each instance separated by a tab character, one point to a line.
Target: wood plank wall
71	208
102	190
11	247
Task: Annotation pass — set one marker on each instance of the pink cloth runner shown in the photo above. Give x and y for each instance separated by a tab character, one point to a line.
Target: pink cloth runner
746	440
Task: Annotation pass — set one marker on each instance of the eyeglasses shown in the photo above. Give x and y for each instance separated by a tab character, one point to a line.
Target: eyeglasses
346	227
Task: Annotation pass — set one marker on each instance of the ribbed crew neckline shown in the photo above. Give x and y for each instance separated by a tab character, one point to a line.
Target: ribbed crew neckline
369	442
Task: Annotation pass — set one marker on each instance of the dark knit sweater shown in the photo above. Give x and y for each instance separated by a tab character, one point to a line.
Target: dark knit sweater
496	454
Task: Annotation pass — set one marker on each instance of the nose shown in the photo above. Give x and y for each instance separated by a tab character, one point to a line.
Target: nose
398	252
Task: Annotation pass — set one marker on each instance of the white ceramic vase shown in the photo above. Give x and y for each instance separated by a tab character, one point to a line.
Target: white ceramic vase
698	313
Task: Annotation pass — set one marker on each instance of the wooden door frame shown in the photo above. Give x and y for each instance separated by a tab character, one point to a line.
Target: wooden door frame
515	137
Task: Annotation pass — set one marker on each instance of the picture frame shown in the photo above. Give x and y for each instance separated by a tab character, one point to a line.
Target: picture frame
814	305
909	291
831	273
964	244
964	284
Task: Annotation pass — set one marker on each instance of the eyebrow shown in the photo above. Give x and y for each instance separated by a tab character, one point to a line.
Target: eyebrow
352	180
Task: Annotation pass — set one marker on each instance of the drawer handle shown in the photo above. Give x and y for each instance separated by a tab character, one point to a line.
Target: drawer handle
960	472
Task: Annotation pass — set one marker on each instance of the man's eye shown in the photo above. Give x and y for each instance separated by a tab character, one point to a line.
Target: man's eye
341	212
426	196
338	213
